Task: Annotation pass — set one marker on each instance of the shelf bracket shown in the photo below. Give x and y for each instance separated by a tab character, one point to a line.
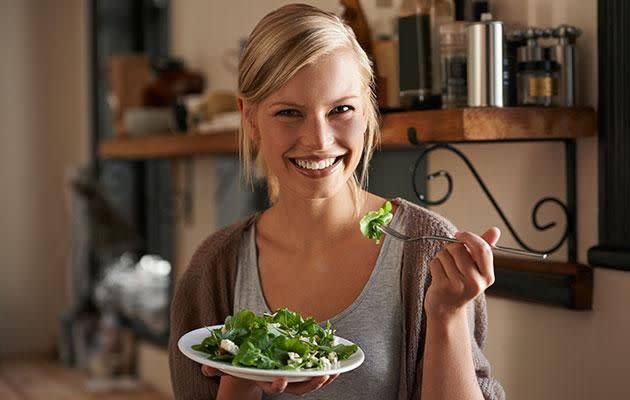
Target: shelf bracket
568	209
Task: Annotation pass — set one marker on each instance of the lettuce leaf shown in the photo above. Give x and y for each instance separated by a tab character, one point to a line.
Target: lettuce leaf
372	220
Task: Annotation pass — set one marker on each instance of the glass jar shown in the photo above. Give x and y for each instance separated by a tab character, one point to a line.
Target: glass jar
538	83
453	61
414	55
442	12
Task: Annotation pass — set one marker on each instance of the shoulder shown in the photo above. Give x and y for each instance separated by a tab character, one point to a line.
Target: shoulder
422	221
203	293
219	251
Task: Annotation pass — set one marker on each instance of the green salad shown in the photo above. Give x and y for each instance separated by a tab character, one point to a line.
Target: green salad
283	340
370	223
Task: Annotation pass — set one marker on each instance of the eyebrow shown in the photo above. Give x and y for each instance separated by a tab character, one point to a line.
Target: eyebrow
296	105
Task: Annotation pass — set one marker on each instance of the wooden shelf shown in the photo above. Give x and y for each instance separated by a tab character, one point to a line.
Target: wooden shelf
454	125
568	285
489	124
169	145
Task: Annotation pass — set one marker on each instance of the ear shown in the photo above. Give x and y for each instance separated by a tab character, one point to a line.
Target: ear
246	116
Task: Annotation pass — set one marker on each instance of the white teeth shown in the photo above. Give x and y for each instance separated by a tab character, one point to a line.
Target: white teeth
315	165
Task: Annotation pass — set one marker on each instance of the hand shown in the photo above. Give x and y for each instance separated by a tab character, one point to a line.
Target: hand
279	385
460	272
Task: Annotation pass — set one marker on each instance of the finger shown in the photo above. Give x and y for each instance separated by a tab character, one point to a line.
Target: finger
451	268
278	385
332	378
480	251
463	259
300	388
437	270
492	235
209	371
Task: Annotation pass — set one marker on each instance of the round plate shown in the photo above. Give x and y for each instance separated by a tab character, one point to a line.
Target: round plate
186	342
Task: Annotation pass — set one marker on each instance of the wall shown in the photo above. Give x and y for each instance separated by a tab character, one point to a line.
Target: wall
540	352
43	109
536	351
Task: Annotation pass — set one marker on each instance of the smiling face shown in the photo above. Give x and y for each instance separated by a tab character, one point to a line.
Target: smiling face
310	132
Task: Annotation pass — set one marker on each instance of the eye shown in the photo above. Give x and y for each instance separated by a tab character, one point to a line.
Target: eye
342	109
289	112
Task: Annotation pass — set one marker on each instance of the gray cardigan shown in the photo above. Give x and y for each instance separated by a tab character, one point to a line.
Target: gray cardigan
204	296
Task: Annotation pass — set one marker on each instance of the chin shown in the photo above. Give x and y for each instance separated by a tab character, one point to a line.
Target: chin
324	193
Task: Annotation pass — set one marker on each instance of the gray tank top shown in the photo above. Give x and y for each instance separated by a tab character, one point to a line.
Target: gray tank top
373	321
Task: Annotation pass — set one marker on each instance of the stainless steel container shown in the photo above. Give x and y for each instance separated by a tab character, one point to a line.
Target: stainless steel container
485	63
564	53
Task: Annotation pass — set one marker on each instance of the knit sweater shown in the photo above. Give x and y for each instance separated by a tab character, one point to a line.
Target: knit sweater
205	293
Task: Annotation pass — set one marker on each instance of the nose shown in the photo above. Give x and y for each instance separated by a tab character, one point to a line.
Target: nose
318	134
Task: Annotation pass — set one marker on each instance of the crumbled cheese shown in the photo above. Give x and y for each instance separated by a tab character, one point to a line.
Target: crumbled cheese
294	359
229	346
325	363
294	356
312	361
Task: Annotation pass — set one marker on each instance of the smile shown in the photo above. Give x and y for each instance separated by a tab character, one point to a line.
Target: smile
316	167
321	164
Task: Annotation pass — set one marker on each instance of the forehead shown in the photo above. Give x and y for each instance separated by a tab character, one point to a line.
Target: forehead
329	77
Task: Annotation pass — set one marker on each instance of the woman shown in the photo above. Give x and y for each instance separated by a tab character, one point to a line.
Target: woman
308	119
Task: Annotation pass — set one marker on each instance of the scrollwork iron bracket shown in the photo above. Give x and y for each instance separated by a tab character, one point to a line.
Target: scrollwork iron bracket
568	209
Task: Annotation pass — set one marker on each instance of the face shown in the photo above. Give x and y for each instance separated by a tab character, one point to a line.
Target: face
311	131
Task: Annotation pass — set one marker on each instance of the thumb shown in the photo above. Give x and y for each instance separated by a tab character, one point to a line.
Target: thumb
492	235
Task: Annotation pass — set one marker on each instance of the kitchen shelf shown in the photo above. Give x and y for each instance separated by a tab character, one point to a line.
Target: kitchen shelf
564	284
452	125
169	145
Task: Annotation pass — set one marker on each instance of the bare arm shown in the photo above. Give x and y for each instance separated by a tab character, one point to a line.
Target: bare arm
448	369
460	273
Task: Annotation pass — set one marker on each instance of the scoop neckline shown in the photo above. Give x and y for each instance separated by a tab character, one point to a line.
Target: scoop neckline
357	301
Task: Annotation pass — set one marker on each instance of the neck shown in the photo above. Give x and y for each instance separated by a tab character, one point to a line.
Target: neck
313	221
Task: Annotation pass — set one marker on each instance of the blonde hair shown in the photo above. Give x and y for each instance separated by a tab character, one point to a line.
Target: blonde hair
283	42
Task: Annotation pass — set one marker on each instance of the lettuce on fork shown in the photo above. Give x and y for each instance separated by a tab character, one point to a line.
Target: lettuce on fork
370	223
282	340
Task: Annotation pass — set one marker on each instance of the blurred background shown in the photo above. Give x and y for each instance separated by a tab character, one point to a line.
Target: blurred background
104	204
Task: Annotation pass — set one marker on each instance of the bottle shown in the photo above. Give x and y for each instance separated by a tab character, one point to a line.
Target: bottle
530	61
414	55
442	12
354	17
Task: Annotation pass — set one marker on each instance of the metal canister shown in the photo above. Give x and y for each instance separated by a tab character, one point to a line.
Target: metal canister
564	54
485	63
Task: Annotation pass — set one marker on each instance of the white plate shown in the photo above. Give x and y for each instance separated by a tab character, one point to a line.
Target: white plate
186	342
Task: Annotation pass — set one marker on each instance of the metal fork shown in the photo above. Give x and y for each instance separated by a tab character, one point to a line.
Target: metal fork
401	236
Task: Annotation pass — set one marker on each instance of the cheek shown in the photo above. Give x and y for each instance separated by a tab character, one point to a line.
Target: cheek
354	131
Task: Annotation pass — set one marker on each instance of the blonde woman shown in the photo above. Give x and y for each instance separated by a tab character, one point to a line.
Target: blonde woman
308	120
